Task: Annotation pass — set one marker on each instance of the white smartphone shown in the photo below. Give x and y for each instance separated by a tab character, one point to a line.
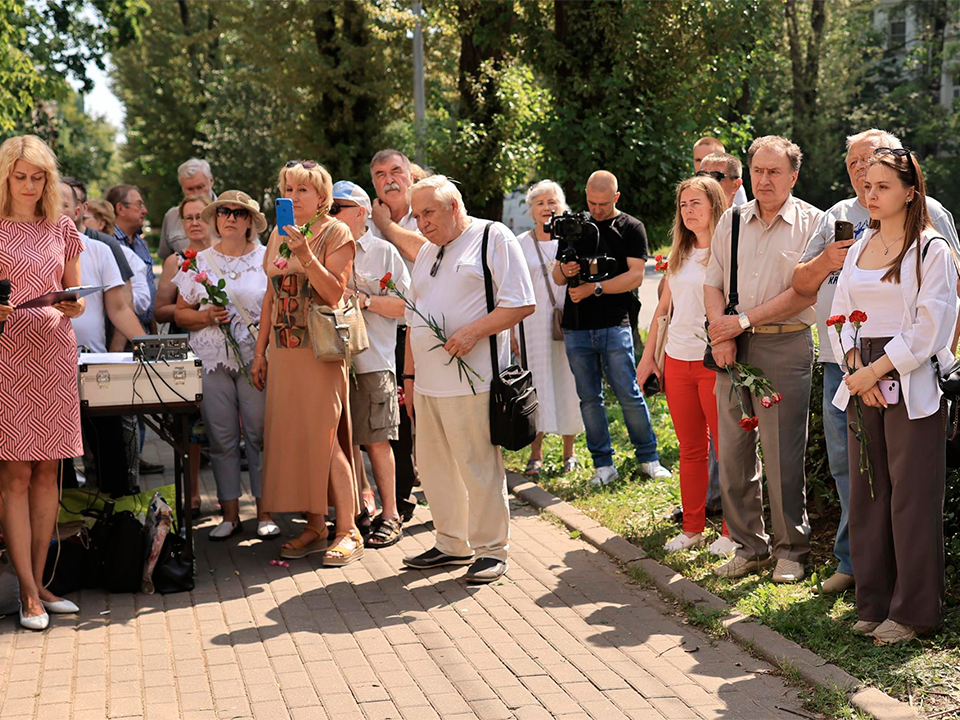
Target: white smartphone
890	389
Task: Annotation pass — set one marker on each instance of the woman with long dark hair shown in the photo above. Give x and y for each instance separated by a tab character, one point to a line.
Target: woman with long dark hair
902	275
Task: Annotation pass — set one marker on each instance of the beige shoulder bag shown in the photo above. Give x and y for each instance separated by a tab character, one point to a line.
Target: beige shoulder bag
337	333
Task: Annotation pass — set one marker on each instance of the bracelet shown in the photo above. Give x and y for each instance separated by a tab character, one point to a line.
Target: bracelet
407	377
310	261
259	356
874	371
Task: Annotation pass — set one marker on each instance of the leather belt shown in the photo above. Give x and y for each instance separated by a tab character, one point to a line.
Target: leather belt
777	329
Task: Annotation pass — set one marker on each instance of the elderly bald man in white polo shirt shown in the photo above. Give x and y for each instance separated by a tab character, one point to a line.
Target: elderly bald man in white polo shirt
461	471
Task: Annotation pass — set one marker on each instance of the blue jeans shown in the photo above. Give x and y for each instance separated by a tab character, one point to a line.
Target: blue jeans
835	432
609	350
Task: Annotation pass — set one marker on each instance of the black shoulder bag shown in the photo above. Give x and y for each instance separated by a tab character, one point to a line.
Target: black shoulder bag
949	382
733	299
513	398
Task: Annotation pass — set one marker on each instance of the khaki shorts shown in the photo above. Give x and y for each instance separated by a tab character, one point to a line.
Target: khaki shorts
374	407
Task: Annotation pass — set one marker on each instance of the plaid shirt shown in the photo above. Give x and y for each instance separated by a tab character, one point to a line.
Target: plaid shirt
139	247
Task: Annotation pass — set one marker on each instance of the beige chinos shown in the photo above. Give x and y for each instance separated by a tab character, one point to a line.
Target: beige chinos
462	475
787	361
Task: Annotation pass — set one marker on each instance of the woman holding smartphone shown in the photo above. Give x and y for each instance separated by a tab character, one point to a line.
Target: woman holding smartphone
902	274
687	384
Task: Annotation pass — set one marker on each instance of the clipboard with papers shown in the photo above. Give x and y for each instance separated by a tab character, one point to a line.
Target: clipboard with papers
52	298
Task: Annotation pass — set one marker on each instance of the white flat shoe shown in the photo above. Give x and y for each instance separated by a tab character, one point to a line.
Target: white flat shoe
724	546
60	607
267	529
225	530
683	542
37	622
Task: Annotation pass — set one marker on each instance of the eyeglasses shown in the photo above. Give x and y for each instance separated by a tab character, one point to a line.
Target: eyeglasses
138	204
238	213
307	164
436	263
187	219
715	174
896	152
337	207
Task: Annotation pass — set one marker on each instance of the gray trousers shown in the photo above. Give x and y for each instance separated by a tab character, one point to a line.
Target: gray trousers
229	398
787	361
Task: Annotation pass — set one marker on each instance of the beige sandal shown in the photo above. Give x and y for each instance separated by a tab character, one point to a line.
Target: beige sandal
343	554
299	549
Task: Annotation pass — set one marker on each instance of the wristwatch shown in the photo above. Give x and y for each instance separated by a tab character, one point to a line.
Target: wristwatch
407	377
365	303
598	289
744	321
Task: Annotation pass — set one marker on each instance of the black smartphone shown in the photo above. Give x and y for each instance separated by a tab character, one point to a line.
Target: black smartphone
842	230
651	386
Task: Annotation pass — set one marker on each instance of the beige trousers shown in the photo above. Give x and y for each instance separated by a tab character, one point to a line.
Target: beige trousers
462	475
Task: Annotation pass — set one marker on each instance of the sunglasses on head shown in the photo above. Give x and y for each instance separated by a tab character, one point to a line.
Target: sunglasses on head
896	152
715	174
307	164
337	207
237	213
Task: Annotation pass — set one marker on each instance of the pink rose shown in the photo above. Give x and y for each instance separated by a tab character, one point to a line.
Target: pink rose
281	263
201	277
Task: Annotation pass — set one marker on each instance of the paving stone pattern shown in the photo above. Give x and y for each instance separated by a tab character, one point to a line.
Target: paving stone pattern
564	635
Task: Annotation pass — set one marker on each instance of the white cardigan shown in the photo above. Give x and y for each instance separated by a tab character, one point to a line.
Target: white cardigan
926	327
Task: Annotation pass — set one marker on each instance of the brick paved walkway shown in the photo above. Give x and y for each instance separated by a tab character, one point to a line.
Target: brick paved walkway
564	635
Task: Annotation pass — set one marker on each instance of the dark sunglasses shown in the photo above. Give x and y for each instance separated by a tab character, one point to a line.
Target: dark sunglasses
238	213
436	263
715	174
337	207
307	164
896	152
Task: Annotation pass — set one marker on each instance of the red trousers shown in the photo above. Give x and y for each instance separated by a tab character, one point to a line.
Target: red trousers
693	408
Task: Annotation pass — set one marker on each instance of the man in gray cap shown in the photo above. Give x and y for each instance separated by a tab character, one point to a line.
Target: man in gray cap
374	406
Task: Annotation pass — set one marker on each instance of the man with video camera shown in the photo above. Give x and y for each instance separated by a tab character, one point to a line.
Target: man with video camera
600	259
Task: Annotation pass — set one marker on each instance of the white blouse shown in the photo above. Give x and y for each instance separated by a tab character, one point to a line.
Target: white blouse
686	331
247	282
927	321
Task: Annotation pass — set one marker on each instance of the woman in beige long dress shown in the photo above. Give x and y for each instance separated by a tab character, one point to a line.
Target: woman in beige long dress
307	438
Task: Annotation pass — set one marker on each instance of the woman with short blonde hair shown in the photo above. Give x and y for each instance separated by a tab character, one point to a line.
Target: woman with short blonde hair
39	407
307	438
102	217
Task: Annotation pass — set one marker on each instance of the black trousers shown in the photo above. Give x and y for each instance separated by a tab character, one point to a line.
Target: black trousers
406	472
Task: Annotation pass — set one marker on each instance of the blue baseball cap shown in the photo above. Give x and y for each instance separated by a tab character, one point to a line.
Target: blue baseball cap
351	192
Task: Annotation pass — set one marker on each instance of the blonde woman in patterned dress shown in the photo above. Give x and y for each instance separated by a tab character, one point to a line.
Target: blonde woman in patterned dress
307	438
39	408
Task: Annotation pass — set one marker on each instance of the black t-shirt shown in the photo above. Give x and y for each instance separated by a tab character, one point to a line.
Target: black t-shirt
621	237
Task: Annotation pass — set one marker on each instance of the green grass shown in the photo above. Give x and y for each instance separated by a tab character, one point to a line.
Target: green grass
925	672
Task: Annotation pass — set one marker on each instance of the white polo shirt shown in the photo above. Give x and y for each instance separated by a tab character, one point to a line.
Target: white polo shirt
455	297
375	258
97	267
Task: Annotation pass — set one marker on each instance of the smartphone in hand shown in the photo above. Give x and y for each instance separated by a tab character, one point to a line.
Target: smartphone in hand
651	386
842	230
890	389
284	214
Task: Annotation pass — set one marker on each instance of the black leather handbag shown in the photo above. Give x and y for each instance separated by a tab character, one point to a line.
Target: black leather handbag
173	573
733	298
513	398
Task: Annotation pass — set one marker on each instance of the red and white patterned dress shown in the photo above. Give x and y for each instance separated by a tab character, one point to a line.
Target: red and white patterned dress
39	405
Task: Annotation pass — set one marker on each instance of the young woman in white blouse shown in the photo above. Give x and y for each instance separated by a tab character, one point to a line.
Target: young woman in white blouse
236	257
687	384
903	275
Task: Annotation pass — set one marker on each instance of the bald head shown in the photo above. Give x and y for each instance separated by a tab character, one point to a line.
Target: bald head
602	195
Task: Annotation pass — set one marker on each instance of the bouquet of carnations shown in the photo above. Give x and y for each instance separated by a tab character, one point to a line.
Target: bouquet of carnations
216	296
463	369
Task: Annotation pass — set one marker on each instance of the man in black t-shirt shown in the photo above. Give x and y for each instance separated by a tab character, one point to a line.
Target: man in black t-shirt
598	336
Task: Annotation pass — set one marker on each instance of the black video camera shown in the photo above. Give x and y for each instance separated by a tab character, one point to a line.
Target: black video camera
571	230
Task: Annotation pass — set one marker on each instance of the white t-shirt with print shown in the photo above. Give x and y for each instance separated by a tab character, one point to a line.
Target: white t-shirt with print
97	267
455	297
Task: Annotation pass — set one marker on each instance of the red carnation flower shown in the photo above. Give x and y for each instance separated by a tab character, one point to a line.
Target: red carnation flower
766	401
385	281
836	320
186	265
189	254
749	423
777	397
858	316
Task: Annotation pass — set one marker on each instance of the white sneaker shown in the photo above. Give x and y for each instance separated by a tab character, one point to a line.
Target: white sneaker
684	542
788	571
655	470
603	476
723	546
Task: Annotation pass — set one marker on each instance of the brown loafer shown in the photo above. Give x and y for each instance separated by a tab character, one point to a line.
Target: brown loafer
838	583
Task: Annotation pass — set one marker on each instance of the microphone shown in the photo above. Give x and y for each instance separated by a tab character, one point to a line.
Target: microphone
4	298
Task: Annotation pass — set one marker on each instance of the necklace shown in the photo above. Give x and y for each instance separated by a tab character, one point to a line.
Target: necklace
232	271
886	248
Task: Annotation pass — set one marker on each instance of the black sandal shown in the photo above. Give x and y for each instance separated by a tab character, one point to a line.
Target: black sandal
385	533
